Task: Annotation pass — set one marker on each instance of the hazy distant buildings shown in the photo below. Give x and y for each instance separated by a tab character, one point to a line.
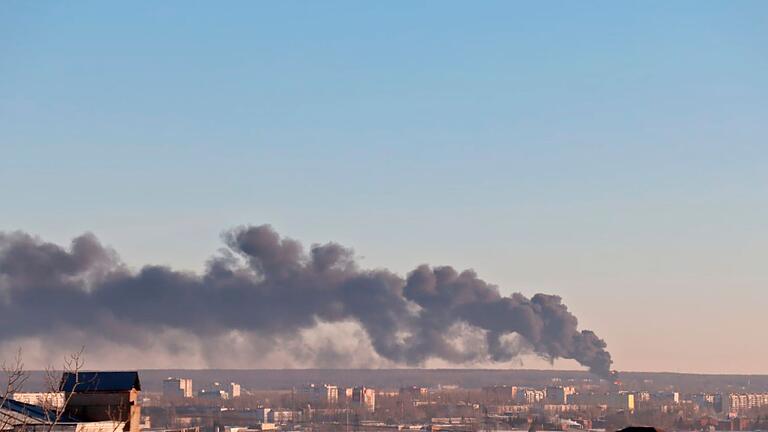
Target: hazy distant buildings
415	393
719	402
665	397
219	391
262	414
530	396
642	396
739	402
618	401
559	395
708	401
283	416
177	388
254	428
234	390
213	394
500	394
364	397
622	400
324	394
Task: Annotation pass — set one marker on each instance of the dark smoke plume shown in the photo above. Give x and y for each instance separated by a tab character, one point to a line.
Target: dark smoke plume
266	284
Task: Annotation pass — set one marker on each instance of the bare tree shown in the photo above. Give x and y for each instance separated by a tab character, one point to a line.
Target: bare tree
15	375
55	409
73	364
118	415
14	379
54	403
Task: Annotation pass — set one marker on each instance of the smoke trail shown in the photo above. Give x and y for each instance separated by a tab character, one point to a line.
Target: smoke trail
266	284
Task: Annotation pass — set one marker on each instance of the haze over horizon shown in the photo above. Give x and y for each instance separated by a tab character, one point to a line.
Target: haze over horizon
612	154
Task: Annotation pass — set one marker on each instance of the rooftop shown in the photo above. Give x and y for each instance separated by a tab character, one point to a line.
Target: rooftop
99	381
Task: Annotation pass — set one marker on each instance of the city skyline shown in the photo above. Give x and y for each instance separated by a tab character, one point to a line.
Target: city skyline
608	153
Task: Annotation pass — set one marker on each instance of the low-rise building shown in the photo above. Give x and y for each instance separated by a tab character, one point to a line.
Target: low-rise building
18	416
90	402
282	416
43	399
103	396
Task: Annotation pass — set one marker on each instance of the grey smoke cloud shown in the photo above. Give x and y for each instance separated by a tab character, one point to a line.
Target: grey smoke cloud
265	284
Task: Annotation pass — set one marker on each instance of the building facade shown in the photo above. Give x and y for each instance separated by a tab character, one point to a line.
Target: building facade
103	397
558	395
177	388
364	397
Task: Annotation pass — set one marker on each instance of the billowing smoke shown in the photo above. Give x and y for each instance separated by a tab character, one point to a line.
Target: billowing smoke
265	284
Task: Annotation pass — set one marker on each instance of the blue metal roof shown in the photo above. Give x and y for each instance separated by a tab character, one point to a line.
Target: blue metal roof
36	412
99	381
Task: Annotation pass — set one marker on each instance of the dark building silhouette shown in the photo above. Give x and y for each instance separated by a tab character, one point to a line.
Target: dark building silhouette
641	429
103	396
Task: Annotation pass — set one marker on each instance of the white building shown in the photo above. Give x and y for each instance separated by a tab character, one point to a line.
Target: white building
234	390
46	400
737	402
283	416
529	396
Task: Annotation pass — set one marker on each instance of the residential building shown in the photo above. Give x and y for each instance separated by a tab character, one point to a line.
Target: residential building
558	395
283	416
500	394
43	399
216	394
324	394
415	393
216	391
364	397
530	396
18	416
177	388
103	396
738	402
234	390
622	400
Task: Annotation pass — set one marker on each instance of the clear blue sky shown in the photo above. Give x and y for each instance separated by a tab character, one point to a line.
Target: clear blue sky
614	153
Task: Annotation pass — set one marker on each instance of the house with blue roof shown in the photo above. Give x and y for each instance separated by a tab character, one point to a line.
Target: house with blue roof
16	416
103	396
95	401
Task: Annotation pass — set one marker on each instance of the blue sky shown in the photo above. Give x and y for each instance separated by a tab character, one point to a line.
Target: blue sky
610	152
